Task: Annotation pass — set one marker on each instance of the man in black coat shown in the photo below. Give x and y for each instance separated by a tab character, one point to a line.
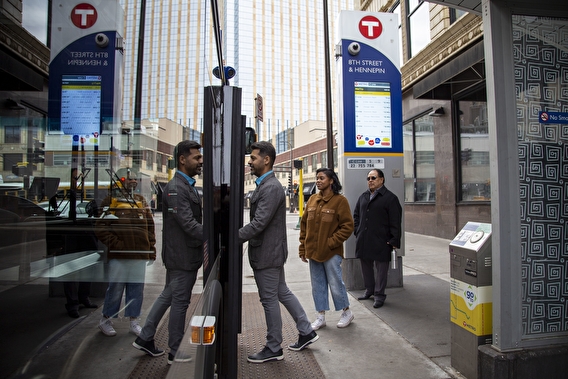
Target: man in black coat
378	228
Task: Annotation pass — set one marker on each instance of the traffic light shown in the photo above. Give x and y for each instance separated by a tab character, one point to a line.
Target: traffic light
39	152
297	163
290	188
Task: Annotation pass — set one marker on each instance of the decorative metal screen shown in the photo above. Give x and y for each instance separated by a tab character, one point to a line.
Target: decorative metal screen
540	48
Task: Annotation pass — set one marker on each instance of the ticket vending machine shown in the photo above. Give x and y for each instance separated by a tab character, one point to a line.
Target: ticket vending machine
470	295
369	135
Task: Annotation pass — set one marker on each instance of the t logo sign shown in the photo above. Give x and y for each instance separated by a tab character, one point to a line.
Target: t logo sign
370	27
84	16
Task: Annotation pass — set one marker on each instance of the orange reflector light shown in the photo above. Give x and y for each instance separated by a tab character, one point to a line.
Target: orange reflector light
209	331
202	330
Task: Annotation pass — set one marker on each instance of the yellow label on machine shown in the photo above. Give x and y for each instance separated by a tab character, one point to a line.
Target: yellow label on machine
471	307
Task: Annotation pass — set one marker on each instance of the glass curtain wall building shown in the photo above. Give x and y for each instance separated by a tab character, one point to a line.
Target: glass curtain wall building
276	48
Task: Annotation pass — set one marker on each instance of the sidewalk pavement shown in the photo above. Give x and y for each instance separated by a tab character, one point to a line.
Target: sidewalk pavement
409	337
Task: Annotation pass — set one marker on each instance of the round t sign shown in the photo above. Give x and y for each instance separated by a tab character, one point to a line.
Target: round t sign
370	27
84	16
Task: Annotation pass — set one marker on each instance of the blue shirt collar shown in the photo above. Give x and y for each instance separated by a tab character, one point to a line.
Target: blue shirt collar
189	179
261	178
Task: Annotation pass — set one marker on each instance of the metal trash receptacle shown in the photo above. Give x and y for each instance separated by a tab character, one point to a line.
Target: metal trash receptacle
471	300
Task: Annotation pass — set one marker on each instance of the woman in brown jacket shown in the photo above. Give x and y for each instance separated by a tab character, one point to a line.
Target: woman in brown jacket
325	225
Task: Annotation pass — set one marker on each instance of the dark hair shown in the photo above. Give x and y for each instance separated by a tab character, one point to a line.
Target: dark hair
184	148
336	185
265	148
380	173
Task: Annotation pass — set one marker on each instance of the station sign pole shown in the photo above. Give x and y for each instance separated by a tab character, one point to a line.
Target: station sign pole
370	122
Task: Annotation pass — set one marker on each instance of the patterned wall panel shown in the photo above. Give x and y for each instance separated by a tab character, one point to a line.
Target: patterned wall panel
540	48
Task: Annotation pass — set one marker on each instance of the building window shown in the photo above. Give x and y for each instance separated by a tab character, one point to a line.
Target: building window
314	162
418	25
12	134
149	160
473	151
324	159
455	14
159	162
419	160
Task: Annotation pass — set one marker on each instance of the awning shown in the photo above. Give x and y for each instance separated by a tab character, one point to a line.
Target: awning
465	71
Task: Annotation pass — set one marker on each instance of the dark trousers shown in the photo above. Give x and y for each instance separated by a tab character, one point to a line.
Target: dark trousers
76	292
375	275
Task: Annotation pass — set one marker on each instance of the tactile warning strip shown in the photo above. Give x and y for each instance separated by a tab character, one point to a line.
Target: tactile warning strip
295	365
157	368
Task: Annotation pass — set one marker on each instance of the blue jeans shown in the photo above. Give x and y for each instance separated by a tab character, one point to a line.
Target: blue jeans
125	275
177	295
324	274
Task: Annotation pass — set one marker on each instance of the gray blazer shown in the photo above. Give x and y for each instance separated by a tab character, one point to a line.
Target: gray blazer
182	234
266	232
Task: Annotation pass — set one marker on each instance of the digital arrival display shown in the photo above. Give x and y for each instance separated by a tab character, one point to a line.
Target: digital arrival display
373	126
80	104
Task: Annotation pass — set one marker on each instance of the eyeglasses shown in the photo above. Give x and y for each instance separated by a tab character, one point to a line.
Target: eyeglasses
371	178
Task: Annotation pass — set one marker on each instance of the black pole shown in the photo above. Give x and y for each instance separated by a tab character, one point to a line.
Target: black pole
139	71
139	66
328	110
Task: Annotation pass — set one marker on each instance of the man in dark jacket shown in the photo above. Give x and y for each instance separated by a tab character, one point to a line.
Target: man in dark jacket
378	223
182	252
268	250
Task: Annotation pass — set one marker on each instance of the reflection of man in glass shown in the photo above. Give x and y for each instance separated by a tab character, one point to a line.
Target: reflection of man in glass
126	227
76	293
182	252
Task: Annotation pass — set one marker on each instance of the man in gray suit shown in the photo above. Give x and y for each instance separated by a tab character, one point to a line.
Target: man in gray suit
182	252
268	250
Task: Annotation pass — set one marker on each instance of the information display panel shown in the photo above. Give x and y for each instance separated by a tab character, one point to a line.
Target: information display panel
81	104
373	126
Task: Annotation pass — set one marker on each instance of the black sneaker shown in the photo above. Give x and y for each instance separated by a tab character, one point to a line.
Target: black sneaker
179	357
304	341
266	355
148	347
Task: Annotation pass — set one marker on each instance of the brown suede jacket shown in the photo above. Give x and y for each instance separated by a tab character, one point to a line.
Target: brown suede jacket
325	225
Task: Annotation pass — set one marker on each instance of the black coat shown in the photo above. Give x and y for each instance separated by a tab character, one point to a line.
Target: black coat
378	225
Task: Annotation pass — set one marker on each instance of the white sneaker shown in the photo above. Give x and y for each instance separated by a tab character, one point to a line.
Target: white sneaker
346	318
319	322
105	325
135	327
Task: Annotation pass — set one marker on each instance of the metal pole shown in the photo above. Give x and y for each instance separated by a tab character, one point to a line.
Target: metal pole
139	67
329	115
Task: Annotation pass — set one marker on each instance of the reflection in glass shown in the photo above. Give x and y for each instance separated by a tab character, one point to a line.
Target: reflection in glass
419	160
474	151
